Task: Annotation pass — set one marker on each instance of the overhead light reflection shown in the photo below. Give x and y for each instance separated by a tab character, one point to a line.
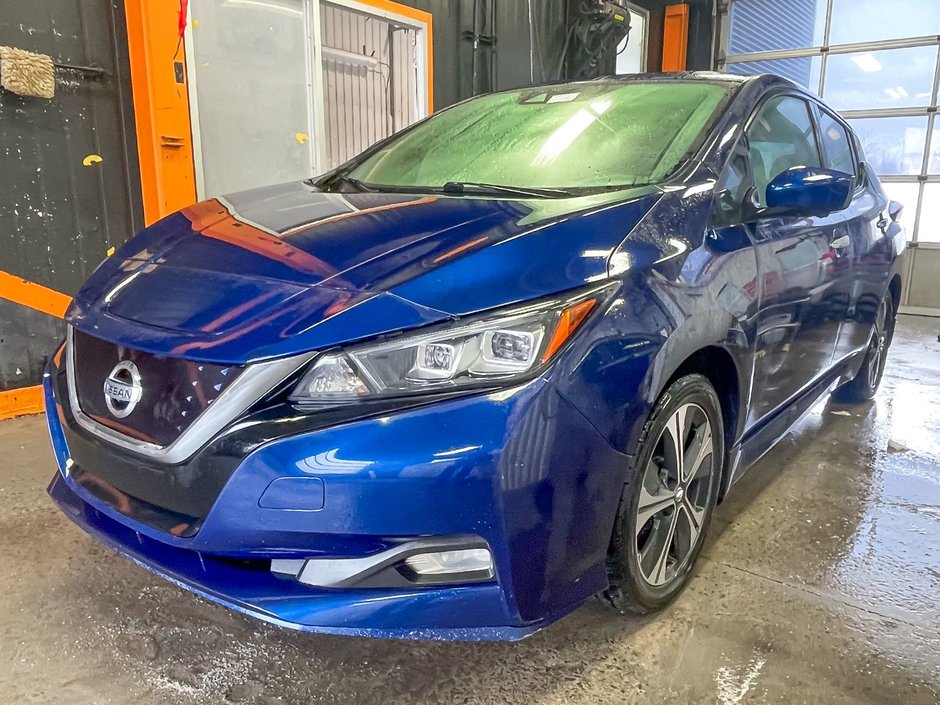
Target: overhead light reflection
269	5
619	263
732	131
678	248
699	188
867	62
569	131
330	461
109	297
457	451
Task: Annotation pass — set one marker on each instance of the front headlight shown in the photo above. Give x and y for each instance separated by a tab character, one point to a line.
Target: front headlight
499	347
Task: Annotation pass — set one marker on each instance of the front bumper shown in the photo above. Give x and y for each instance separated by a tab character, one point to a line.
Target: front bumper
522	470
420	613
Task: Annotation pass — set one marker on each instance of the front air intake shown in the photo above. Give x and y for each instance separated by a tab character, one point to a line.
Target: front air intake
151	398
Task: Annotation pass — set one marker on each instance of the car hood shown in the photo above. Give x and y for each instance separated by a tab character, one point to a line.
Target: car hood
288	269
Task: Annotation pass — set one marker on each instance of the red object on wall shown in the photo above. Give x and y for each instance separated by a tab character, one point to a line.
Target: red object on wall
184	12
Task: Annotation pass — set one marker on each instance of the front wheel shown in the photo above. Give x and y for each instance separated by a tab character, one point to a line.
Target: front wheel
863	386
668	499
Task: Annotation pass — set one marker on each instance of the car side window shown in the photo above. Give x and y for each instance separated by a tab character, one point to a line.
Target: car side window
837	146
780	136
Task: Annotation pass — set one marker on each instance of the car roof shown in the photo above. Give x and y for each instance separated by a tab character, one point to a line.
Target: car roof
766	80
710	76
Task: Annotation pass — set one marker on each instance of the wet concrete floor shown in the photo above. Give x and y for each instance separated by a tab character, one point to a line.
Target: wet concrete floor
820	583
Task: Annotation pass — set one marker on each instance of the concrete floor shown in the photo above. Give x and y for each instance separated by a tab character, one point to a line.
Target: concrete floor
820	583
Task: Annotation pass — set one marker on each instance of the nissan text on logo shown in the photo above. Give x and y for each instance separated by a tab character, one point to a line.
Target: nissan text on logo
122	389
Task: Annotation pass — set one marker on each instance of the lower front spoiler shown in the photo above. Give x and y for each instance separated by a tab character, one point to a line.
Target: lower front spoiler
457	613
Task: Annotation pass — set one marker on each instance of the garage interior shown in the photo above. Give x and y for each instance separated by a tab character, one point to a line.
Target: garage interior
820	574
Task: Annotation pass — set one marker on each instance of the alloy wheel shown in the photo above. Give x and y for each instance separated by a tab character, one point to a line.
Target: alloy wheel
676	486
878	345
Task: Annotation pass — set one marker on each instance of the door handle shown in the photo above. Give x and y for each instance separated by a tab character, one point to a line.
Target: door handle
841	242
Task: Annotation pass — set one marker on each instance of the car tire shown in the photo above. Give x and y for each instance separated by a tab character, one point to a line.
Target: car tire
667	501
863	386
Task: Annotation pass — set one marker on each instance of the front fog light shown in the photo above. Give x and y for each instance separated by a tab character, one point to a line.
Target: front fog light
468	560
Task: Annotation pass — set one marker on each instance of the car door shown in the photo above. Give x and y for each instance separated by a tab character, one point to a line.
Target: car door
860	252
799	312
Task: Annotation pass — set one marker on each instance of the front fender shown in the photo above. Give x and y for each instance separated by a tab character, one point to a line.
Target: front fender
694	296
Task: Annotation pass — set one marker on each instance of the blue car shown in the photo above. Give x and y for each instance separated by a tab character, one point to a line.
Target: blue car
503	361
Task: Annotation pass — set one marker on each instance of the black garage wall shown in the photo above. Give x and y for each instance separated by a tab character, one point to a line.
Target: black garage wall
522	54
58	217
504	53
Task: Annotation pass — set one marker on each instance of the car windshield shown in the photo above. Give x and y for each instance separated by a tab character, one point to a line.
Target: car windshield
572	138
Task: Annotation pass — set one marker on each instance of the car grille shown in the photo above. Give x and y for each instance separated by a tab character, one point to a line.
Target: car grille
174	392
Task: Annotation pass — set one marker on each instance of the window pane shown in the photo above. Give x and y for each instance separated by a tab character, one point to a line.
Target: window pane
928	225
369	86
631	52
933	165
905	194
891	78
893	145
835	143
251	80
765	25
780	137
803	71
868	21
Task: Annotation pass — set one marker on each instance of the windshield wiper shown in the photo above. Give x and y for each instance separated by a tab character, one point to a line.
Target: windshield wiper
473	187
343	179
451	187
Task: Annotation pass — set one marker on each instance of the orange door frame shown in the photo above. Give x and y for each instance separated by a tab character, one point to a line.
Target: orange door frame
419	15
161	105
161	98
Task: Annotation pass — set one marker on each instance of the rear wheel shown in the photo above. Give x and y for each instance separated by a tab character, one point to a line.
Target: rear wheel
669	498
863	386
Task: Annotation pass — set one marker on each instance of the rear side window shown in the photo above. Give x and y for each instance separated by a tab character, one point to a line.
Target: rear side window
836	144
781	136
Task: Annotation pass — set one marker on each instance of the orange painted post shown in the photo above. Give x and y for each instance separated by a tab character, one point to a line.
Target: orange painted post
430	55
28	400
161	106
675	37
35	296
17	402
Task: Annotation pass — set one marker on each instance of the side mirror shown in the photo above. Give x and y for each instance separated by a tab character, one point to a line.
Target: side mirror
806	191
894	210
